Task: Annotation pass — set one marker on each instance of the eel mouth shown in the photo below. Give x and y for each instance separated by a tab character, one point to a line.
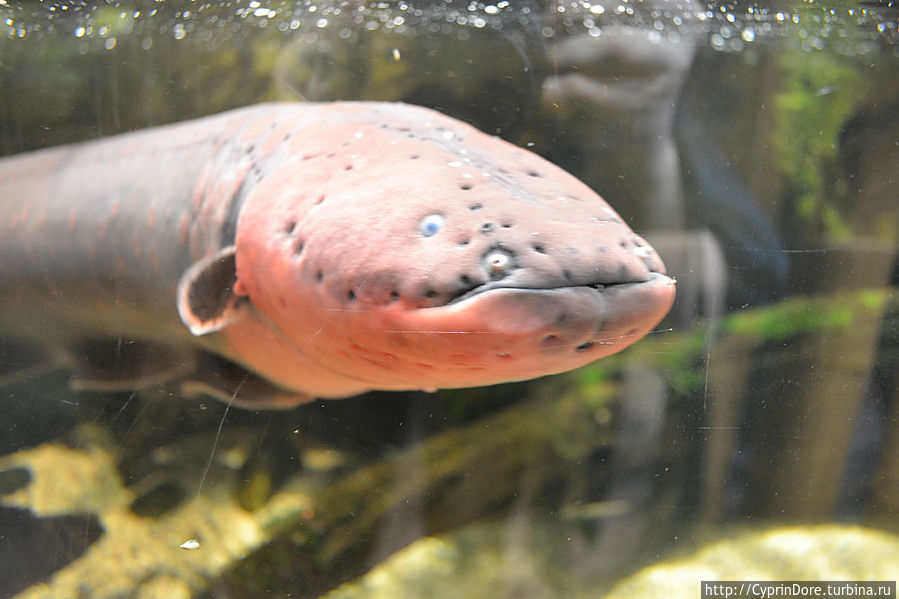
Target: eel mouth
654	278
500	332
596	313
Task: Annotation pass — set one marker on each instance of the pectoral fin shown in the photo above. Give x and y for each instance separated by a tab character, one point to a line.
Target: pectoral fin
228	382
206	298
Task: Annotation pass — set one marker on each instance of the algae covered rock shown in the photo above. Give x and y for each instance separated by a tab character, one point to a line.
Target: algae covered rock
482	562
827	552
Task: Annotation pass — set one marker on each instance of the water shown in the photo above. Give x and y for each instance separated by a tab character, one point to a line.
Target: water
753	435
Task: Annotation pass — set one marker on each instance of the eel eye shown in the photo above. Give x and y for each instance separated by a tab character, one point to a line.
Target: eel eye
431	224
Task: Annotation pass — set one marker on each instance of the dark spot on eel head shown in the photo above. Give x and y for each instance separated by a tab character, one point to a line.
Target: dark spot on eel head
584	346
487	228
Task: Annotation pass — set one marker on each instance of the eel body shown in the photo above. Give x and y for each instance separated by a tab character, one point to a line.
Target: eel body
281	252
